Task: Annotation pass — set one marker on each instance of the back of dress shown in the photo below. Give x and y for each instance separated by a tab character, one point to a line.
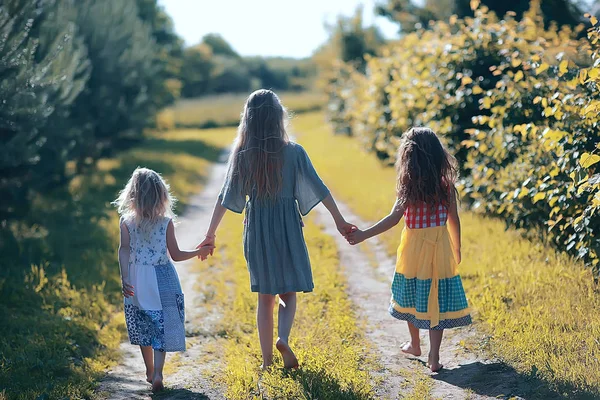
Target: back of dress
424	216
155	314
148	249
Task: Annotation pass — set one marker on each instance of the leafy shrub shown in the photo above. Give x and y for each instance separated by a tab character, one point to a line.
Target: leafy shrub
517	103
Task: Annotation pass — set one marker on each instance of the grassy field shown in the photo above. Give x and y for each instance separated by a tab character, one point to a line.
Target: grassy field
537	306
224	110
59	284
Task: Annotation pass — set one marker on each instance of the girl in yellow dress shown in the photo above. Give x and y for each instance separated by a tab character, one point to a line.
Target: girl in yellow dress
427	291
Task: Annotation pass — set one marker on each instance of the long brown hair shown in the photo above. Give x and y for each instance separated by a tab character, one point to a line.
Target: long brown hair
256	161
426	170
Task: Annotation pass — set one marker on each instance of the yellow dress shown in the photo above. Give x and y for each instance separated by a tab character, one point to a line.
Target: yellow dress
427	289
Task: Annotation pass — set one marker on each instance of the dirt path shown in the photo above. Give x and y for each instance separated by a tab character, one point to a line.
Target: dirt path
465	375
187	375
190	374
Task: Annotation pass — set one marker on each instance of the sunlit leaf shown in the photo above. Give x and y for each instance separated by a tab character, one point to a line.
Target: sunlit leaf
563	67
518	76
587	160
543	67
539	196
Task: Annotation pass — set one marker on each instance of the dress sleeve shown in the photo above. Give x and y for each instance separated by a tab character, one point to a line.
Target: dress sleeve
310	189
231	196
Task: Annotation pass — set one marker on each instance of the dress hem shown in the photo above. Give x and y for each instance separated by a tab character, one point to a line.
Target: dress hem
424	324
256	289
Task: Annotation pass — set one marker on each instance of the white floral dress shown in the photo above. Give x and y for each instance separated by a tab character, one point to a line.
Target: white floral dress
155	314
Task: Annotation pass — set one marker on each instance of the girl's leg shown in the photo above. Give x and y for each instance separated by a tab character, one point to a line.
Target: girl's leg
159	363
414	346
287	311
264	321
148	360
435	341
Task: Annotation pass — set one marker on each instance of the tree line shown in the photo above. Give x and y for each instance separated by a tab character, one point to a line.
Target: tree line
82	78
213	67
79	77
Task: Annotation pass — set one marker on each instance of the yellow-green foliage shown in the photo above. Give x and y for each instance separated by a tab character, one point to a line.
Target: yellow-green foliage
514	100
60	284
225	110
325	337
539	307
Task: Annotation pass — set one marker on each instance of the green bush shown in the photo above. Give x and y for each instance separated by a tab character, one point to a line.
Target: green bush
517	103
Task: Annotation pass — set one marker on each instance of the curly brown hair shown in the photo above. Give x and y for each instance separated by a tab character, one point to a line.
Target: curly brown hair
426	170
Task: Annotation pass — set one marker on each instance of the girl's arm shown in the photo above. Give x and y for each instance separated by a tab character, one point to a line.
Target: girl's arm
342	226
182	255
391	220
217	215
124	255
454	229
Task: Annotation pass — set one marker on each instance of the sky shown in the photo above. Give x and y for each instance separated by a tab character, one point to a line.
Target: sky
290	28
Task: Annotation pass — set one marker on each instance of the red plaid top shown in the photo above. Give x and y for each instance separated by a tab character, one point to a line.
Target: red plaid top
421	216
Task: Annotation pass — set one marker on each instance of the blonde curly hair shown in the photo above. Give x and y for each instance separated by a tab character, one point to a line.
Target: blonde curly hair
145	198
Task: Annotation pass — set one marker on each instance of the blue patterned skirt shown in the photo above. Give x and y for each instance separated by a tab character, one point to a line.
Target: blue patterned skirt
162	328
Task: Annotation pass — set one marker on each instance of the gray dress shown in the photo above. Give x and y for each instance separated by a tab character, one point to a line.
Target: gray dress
274	245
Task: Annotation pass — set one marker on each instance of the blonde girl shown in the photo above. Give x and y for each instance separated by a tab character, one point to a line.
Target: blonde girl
427	291
154	307
273	180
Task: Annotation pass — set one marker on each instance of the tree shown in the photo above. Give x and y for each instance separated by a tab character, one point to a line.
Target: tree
119	99
40	80
349	41
196	71
411	16
219	46
230	75
169	50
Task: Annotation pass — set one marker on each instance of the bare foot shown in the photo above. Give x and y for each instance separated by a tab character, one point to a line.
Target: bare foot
289	358
149	375
157	384
434	366
408	348
266	367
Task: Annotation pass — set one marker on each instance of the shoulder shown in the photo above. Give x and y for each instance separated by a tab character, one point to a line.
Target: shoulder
297	149
125	223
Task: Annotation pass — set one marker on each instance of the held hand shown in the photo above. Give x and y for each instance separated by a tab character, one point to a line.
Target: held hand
205	251
355	237
345	228
208	241
126	288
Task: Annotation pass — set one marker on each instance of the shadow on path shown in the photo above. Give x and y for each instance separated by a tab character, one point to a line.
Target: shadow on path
499	380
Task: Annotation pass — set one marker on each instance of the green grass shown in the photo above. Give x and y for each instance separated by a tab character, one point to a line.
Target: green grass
326	336
59	281
538	307
224	110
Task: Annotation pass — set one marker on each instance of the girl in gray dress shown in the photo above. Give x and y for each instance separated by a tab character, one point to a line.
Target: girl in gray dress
273	179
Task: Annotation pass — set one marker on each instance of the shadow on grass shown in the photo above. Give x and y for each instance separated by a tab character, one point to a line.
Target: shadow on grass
59	279
499	380
320	385
179	394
